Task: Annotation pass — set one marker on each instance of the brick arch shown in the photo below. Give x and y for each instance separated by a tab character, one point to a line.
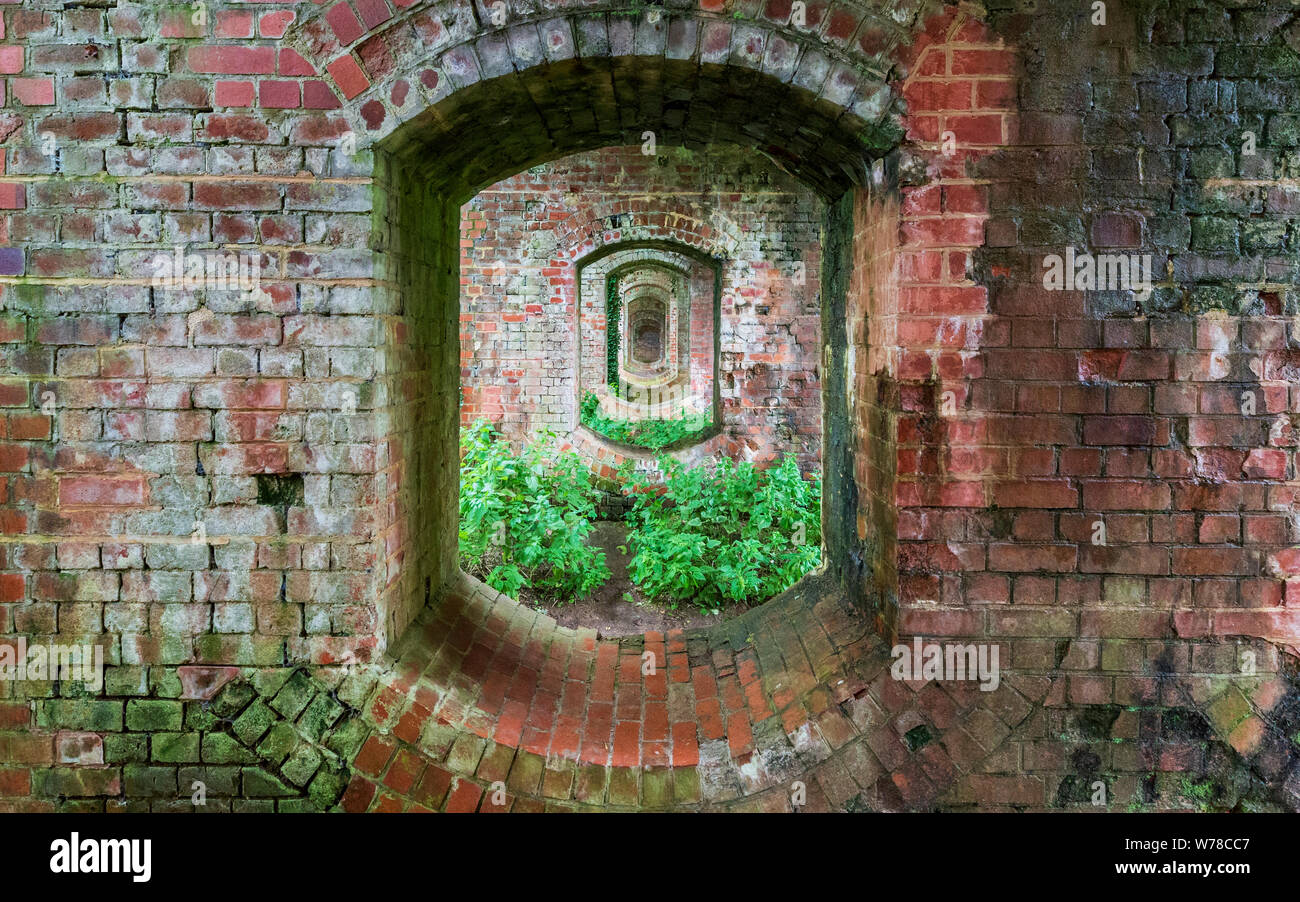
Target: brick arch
821	86
806	682
663	248
643	219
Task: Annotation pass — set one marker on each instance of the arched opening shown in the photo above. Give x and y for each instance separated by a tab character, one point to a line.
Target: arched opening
649	322
495	127
649	340
469	636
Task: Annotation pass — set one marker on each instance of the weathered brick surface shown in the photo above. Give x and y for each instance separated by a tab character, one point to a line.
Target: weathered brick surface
528	352
201	476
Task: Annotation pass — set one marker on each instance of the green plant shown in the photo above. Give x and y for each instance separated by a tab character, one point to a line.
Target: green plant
613	333
525	518
653	434
722	534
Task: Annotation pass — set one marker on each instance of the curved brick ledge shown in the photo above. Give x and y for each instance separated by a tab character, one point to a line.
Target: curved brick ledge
484	690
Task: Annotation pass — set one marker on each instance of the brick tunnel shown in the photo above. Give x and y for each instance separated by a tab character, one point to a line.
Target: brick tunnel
1018	280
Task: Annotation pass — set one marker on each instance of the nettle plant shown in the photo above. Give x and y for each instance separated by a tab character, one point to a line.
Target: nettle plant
724	533
652	434
525	517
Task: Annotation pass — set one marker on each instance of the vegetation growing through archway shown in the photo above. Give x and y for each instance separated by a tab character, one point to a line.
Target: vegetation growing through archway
653	434
723	534
712	535
525	516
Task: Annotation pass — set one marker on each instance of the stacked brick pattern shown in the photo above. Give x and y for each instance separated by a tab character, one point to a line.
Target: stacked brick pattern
310	431
528	353
1088	489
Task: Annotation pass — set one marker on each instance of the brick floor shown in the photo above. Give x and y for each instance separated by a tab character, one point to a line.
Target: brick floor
488	705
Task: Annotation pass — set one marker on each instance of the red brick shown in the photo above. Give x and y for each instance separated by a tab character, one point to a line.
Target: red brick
232	60
348	76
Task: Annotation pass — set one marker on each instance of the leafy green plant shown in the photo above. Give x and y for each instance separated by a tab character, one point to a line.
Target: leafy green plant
653	434
613	333
525	517
724	533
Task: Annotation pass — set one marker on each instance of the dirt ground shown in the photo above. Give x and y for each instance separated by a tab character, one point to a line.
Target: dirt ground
609	611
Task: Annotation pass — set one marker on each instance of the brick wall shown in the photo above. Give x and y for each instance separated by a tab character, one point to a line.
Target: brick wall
246	497
527	355
1079	479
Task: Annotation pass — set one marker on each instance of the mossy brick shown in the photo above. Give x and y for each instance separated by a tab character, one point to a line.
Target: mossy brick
217	781
126	681
686	785
1214	233
175	650
199	718
1210	163
151	715
591	784
166	683
1211	297
465	753
526	774
326	788
175	748
149	782
495	763
657	787
253	806
1262	235
271	680
241	651
347	738
1284	130
321	714
1228	710
302	765
79	714
222	748
232	699
623	789
77	782
86	806
295	696
253	723
126	748
298	806
356	688
278	743
558	779
259	784
438	738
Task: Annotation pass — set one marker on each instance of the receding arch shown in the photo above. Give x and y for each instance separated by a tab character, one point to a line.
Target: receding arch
459	133
678	102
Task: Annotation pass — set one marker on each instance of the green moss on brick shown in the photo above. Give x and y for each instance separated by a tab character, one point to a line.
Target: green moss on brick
302	765
232	699
321	715
221	748
176	748
258	783
252	725
150	715
296	694
79	714
278	743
